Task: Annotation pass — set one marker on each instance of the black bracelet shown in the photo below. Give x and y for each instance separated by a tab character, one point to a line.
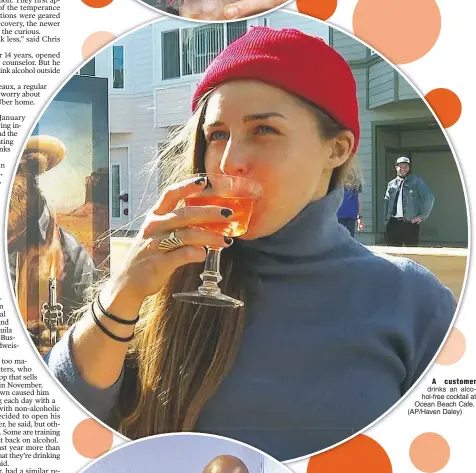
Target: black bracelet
114	317
106	331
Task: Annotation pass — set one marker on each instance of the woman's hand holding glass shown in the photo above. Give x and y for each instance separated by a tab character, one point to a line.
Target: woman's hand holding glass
148	268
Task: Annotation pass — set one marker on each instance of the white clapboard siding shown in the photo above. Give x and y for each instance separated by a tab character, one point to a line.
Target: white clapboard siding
142	140
172	105
138	63
310	26
381	84
348	47
405	90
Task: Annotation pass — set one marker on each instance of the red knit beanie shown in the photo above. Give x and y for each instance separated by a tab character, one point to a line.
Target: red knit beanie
293	61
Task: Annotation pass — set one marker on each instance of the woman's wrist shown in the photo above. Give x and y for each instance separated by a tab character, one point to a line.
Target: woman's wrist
120	301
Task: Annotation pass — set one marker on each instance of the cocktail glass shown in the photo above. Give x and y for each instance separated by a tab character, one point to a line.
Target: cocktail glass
239	195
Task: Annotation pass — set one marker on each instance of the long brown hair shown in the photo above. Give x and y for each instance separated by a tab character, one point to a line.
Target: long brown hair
181	352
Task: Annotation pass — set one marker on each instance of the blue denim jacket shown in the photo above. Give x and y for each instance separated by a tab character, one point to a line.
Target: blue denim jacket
417	198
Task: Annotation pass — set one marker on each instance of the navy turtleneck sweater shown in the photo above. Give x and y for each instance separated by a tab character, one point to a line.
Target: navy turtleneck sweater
335	336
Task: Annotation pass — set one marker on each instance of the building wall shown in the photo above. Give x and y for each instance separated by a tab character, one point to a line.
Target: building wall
139	61
349	48
405	90
381	84
132	116
142	140
303	23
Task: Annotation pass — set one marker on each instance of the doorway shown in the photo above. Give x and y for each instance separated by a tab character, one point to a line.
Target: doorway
433	161
120	187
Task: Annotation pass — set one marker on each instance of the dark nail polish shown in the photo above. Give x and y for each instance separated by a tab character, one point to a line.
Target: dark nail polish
200	180
228	240
226	213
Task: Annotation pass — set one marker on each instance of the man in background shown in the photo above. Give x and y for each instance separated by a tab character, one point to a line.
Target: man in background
408	203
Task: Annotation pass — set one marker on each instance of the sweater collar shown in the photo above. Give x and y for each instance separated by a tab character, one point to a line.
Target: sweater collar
311	233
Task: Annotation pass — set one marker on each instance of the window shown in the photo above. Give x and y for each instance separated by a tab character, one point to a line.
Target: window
200	46
170	56
118	67
373	52
235	30
190	50
115	191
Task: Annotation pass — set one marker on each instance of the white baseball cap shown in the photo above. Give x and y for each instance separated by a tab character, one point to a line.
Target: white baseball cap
402	159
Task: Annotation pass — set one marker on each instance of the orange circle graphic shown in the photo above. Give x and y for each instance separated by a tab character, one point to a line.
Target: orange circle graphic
446	105
361	454
321	9
95	42
429	452
453	349
97	3
91	439
402	30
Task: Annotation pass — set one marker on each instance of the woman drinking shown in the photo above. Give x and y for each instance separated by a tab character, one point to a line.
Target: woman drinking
331	335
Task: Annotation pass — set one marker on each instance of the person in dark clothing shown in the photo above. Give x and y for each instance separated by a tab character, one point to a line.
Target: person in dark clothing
408	203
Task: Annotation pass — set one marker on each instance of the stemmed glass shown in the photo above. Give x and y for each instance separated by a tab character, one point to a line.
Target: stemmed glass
203	9
239	195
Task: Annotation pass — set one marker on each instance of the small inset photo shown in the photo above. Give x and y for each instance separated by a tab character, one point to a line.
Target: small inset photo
215	10
186	453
